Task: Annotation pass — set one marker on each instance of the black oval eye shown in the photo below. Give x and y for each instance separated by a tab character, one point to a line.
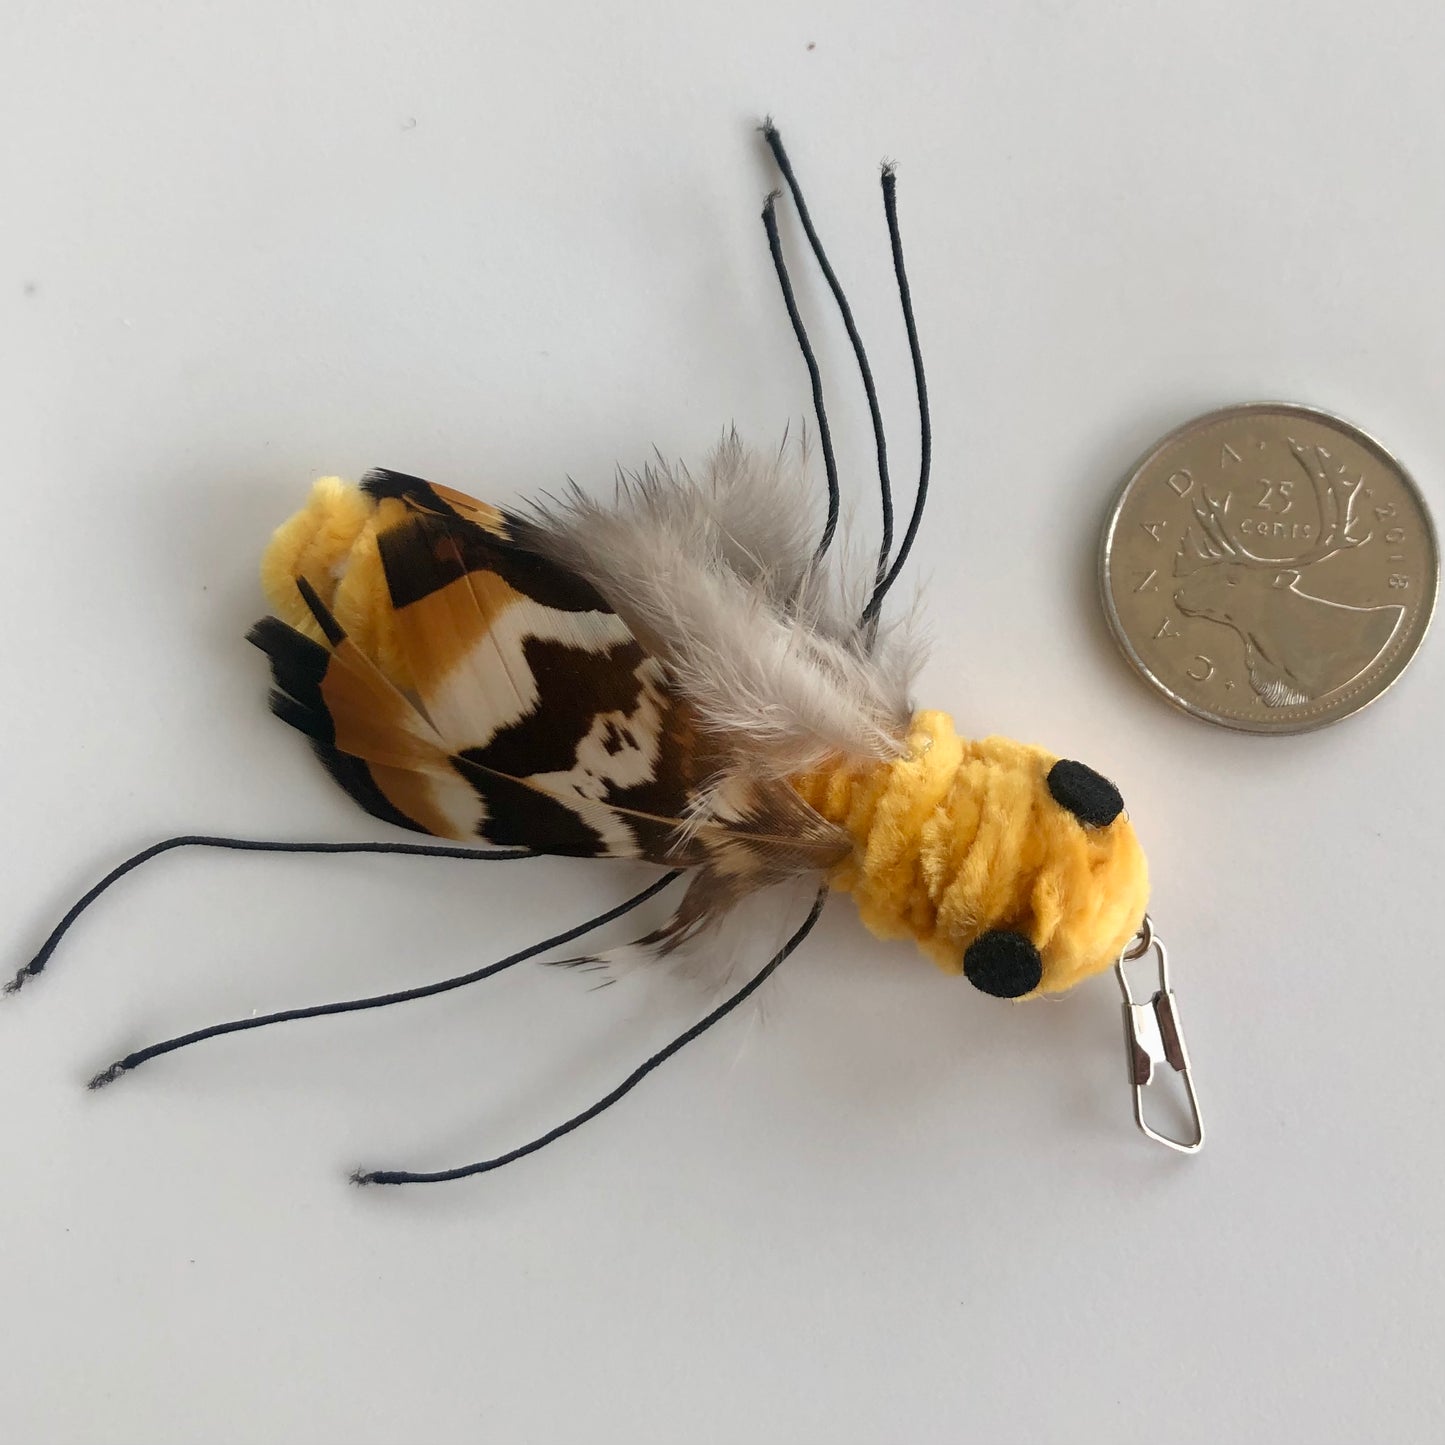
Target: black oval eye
1002	963
1092	799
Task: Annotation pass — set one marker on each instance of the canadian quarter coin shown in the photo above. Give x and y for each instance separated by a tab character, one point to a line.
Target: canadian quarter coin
1270	568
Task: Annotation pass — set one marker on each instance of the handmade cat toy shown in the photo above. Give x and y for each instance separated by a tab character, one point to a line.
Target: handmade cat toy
679	676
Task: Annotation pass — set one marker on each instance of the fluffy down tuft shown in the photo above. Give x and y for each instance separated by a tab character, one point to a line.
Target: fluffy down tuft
715	576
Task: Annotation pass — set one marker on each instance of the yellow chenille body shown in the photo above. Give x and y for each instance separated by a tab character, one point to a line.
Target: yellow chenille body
960	837
952	840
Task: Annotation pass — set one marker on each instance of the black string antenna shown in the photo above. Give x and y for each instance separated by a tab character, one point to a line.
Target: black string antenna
403	1176
825	435
925	425
132	1061
845	311
241	845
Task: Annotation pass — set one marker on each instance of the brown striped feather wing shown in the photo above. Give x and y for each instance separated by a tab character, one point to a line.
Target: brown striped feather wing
538	719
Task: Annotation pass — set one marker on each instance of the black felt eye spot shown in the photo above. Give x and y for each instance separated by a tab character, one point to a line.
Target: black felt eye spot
1003	963
1092	799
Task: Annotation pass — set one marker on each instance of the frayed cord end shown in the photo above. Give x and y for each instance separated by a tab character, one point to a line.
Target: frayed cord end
31	969
110	1075
363	1177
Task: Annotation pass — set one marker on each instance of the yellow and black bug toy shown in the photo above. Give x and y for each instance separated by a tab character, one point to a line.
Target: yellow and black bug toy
679	676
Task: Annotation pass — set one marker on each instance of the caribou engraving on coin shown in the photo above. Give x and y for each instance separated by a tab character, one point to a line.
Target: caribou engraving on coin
1269	567
1282	628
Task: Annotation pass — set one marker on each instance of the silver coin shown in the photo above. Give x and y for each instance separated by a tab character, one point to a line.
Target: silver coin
1270	568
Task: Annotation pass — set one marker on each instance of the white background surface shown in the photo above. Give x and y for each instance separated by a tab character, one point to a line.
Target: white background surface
245	245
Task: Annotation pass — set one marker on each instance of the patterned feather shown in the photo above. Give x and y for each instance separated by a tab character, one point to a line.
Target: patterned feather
535	716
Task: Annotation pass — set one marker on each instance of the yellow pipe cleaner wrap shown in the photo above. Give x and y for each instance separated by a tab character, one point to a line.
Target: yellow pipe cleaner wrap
331	542
959	837
950	841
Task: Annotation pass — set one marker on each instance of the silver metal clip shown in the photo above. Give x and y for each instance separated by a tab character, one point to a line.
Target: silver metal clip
1152	1035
